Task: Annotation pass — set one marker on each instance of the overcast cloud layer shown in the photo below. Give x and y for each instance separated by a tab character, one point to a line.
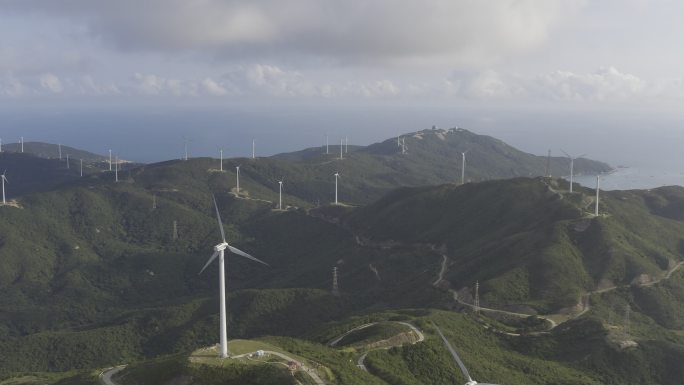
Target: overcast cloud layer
498	51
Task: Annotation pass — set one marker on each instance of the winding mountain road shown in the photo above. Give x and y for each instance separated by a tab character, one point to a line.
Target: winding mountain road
312	373
106	375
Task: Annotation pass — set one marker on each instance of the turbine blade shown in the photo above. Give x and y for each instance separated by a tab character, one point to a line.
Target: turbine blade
211	259
218	217
237	251
579	156
453	353
566	154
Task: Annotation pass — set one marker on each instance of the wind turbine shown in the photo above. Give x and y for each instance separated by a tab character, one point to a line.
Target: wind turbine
280	194
221	155
346	144
237	175
81	167
326	145
4	179
219	251
0	144
185	142
464	370
116	169
572	165
253	149
463	164
598	186
337	175
59	147
110	160
22	144
67	158
341	149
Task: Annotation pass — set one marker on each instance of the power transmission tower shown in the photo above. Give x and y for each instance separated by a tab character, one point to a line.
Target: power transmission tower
175	230
335	287
548	165
476	306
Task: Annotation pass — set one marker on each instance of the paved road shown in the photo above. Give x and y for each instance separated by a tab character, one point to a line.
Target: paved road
106	375
338	339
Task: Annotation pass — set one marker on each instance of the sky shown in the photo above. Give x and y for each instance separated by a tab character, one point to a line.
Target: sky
602	77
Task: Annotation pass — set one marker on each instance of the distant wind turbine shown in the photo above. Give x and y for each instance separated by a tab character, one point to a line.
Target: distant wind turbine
22	144
598	187
464	370
219	251
185	142
326	145
4	179
67	159
341	157
237	175
572	166
81	167
337	175
116	169
280	194
221	155
463	164
59	147
346	144
110	160
253	149
0	144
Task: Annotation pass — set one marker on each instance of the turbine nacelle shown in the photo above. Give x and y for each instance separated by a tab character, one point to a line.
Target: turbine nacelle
221	247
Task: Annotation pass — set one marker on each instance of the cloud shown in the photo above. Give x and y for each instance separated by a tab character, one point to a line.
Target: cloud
51	83
606	83
453	32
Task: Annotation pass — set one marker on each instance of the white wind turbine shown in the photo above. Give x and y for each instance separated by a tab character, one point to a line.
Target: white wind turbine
572	166
463	164
237	176
81	167
326	145
337	175
341	146
22	143
116	169
253	149
219	251
4	179
0	144
598	186
221	156
59	147
470	381
67	159
346	144
280	194
110	160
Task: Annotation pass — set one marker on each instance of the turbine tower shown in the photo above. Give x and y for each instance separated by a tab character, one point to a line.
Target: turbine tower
0	144
110	160
346	144
598	186
341	146
81	168
326	145
219	251
22	144
253	149
280	194
548	165
67	159
175	230
463	164
572	166
237	175
221	156
59	148
337	175
463	368
116	169
4	179
185	142
476	306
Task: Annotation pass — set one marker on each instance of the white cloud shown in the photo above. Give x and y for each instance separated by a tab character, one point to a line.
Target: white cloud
51	83
604	84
